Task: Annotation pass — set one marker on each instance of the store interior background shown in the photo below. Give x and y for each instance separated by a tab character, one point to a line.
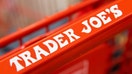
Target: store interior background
17	14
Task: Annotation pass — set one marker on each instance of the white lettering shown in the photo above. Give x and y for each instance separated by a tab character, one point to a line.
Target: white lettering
88	28
59	39
27	58
71	35
103	17
14	61
117	13
95	22
52	45
39	51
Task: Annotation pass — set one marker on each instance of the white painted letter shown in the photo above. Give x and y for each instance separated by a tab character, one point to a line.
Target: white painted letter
59	39
95	22
27	58
117	13
52	45
71	35
88	28
14	61
39	51
102	16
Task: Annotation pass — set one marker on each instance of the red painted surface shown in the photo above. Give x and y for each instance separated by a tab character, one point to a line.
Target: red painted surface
75	48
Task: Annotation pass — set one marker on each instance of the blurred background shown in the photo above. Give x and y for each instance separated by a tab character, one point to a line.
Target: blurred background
17	14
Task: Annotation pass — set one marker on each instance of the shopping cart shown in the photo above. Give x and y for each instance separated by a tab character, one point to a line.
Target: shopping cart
77	47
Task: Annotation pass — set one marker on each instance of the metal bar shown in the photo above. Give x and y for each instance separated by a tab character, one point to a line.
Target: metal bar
42	23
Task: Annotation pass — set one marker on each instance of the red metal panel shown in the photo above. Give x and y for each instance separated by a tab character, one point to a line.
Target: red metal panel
96	61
